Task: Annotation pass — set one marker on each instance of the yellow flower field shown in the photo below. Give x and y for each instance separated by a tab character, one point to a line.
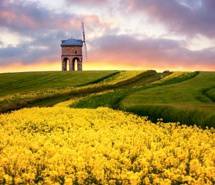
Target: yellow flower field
101	146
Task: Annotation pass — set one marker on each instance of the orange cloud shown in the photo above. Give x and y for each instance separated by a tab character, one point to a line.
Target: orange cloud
150	53
123	64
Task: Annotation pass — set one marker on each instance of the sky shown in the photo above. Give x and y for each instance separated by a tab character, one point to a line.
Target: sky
121	34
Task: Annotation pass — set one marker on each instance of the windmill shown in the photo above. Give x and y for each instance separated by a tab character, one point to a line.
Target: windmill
84	41
73	52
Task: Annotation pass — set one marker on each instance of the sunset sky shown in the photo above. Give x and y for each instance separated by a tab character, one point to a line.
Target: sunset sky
121	34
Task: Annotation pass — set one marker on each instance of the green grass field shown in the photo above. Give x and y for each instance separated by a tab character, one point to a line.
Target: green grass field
190	101
21	89
184	97
173	96
113	98
11	83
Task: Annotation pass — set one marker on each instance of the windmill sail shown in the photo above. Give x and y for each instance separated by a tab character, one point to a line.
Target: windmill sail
84	41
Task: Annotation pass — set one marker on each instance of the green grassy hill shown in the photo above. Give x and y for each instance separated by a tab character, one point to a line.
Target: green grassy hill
11	83
149	80
20	89
48	88
174	96
190	101
184	97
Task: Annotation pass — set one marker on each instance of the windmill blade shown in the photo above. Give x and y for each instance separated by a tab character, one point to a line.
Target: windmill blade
85	51
83	32
84	41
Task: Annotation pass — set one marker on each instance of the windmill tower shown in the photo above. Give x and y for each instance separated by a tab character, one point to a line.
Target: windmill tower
72	52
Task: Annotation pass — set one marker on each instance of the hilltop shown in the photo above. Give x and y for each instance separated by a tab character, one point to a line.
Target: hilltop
187	97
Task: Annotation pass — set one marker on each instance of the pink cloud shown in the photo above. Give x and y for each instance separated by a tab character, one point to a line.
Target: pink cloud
191	17
156	53
47	28
88	2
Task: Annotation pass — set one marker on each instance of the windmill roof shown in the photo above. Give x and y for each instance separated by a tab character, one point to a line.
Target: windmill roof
72	42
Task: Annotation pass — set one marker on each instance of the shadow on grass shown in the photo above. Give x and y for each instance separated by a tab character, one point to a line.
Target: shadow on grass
171	113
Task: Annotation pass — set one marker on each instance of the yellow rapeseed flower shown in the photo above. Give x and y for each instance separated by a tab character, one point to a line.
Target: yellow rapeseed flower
101	146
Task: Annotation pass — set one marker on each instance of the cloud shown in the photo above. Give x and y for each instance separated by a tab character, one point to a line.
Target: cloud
88	2
25	54
26	17
44	27
29	19
125	49
182	16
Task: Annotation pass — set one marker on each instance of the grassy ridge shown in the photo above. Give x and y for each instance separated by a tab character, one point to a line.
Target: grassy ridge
108	99
116	82
20	89
11	83
187	114
186	102
48	94
112	99
120	90
189	91
210	93
178	96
